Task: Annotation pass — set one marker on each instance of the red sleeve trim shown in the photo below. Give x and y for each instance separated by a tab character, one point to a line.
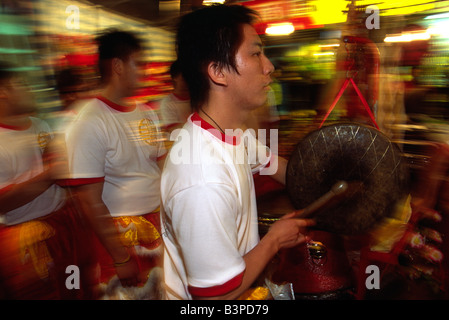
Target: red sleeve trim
269	162
79	182
161	157
6	189
218	290
257	173
171	125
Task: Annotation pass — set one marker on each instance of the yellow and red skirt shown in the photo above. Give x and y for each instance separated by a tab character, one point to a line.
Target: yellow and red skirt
142	236
34	257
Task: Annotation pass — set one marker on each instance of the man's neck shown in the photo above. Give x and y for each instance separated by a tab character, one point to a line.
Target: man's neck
115	94
226	117
18	121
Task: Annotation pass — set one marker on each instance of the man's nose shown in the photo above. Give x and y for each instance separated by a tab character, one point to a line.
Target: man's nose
269	68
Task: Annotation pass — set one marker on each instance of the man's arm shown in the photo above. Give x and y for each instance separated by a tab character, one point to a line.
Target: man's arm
285	233
89	198
208	211
17	195
281	171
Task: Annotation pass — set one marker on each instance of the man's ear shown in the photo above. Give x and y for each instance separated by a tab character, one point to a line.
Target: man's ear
117	66
216	74
3	92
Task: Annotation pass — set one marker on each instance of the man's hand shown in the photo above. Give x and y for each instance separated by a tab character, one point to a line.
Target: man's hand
289	232
99	217
128	272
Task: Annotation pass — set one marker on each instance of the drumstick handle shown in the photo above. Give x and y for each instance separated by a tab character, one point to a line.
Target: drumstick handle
337	190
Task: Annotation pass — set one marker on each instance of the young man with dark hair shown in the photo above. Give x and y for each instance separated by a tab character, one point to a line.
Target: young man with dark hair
175	107
212	248
71	86
41	233
113	148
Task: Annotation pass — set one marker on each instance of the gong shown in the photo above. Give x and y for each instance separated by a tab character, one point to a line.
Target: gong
358	155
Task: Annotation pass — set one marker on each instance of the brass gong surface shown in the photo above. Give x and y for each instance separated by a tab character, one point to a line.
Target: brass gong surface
349	152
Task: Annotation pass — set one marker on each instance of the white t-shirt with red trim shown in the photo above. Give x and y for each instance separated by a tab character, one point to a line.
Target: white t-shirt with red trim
120	146
208	212
21	152
174	110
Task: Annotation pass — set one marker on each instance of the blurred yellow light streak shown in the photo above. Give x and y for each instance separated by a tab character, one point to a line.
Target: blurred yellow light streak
408	37
276	29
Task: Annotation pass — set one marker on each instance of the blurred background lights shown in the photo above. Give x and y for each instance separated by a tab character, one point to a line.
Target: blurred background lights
277	29
408	36
211	2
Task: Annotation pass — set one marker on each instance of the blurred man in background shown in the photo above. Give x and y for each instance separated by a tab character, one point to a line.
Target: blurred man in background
113	148
42	233
175	107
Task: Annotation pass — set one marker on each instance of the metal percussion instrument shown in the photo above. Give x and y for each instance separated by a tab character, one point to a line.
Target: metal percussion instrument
347	176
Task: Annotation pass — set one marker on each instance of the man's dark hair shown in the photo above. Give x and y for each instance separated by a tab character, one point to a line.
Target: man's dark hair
67	79
7	71
115	44
210	34
175	69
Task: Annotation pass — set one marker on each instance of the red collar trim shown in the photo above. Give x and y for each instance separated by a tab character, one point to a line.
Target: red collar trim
180	98
116	106
196	119
16	128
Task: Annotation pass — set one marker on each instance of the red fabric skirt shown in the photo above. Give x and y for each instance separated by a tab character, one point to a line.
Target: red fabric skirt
142	236
35	256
